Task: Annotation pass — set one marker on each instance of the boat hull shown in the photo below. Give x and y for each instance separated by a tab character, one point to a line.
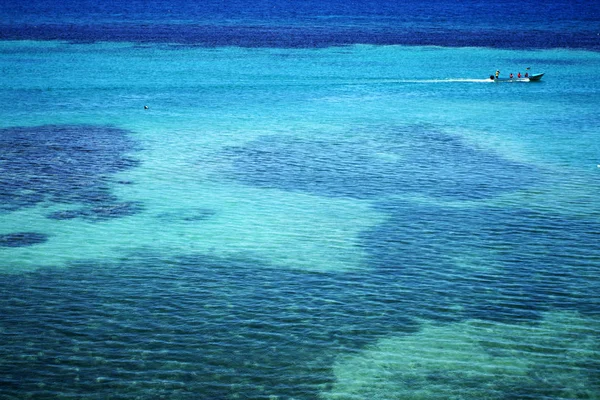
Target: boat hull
512	80
536	77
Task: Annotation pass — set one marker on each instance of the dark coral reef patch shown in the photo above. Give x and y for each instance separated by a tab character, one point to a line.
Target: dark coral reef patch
391	160
68	164
22	239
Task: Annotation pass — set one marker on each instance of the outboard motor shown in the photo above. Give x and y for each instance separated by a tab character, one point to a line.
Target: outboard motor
492	77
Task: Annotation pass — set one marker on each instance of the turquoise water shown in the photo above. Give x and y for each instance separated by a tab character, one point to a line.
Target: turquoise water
365	221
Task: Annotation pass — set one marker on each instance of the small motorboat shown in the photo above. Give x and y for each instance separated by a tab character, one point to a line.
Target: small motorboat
531	78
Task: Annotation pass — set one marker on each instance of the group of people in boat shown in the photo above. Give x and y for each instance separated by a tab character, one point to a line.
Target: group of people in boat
511	76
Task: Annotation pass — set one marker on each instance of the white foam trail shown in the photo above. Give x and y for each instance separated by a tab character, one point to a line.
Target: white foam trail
448	80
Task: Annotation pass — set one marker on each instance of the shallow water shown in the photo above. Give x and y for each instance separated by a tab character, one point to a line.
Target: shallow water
297	222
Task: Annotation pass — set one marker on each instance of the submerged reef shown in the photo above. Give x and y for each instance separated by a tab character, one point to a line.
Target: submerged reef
22	239
392	160
68	164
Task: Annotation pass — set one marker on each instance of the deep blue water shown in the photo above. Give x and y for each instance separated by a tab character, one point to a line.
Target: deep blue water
506	24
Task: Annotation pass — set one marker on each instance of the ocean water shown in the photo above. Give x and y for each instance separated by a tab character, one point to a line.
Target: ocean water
323	200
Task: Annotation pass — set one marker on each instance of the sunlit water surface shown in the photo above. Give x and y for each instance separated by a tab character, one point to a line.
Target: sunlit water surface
356	222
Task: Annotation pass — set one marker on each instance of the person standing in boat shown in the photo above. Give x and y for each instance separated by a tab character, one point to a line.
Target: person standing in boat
511	75
519	75
497	73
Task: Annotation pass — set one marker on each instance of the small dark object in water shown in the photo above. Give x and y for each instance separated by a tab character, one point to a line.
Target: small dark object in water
145	107
22	239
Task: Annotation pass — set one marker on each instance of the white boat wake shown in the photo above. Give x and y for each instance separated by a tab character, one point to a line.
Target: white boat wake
447	80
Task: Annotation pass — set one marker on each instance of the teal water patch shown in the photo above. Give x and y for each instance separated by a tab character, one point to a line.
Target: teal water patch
379	161
69	164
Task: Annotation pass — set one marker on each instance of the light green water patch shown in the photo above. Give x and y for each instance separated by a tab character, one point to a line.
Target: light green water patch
279	228
182	216
556	358
68	241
